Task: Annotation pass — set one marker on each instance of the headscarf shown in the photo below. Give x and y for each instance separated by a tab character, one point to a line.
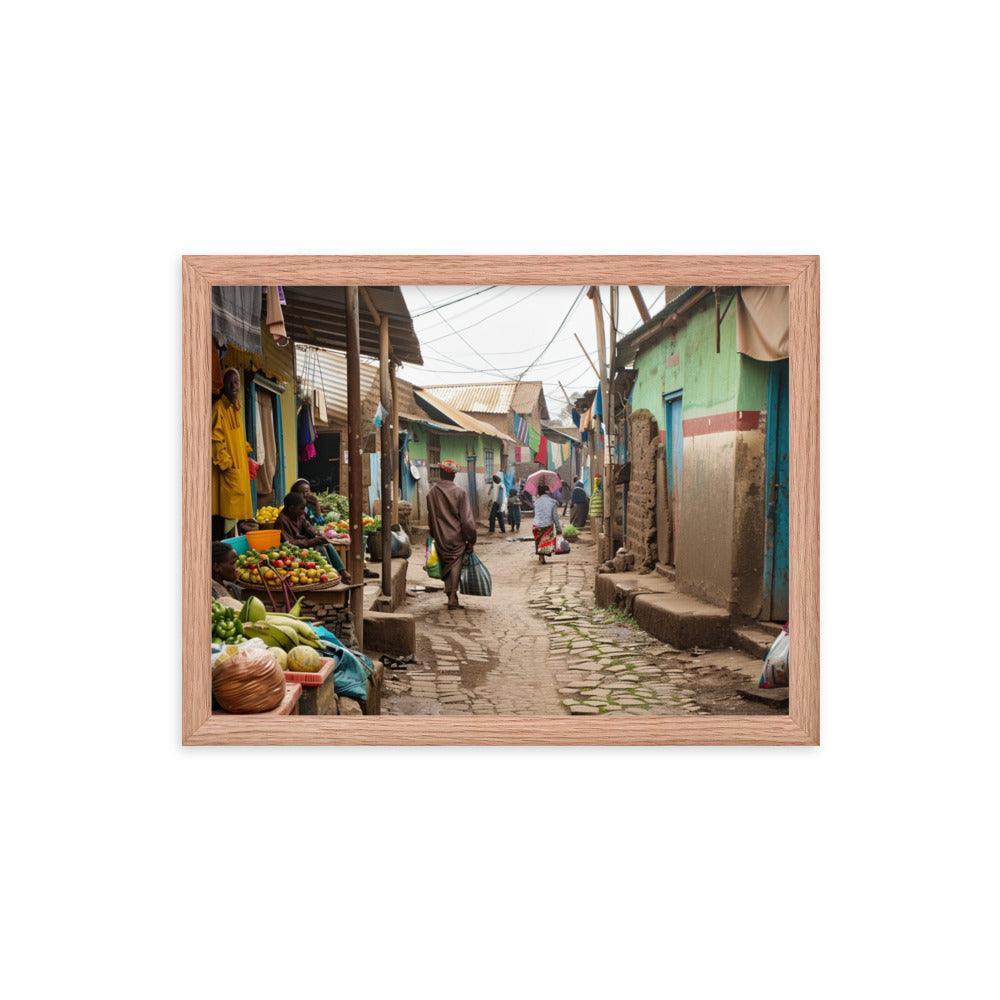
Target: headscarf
448	466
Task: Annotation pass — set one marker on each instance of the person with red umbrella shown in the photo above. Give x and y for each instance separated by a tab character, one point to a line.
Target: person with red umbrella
545	526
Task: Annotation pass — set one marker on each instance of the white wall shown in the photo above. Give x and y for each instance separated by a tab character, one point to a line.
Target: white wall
864	868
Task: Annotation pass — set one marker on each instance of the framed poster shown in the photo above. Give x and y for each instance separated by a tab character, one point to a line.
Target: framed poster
613	536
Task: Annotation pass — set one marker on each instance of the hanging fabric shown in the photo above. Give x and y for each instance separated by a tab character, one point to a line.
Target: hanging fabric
541	455
269	460
274	318
236	311
306	434
762	322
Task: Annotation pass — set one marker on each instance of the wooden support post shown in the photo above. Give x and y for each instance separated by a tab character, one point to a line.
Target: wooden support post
718	322
640	302
385	393
607	489
354	457
587	356
610	409
394	421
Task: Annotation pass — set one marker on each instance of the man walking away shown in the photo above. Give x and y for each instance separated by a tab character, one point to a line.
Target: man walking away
498	504
514	510
453	528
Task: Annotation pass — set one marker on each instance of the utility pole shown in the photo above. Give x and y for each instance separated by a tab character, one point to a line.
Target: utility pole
606	488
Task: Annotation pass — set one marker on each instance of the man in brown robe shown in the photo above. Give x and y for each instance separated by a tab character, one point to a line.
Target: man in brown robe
453	528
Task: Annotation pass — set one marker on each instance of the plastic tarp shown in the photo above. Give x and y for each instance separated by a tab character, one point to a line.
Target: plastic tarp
762	322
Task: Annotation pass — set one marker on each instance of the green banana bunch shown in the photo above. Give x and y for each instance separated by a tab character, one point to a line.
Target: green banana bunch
282	631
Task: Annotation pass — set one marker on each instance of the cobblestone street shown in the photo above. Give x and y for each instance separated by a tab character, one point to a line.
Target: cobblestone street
539	646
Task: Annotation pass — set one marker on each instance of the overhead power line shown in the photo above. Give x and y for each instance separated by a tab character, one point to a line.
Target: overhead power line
459	335
461	329
451	302
569	312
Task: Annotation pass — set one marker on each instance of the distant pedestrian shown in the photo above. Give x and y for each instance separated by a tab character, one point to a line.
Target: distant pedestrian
581	503
498	504
563	497
452	526
546	524
514	509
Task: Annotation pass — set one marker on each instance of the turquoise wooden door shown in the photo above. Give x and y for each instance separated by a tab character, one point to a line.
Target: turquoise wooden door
776	495
673	454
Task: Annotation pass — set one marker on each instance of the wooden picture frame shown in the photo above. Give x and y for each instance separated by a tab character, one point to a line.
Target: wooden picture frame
800	273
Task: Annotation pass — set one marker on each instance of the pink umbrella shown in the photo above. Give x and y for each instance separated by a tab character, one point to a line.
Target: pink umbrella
551	480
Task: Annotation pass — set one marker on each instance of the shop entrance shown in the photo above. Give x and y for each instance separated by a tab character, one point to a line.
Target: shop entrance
673	453
776	495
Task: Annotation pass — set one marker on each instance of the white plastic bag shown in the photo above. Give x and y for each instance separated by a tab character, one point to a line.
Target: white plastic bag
775	672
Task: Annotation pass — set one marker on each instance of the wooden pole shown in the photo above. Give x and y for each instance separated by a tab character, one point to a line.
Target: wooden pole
640	302
354	456
385	449
394	420
587	356
612	425
595	297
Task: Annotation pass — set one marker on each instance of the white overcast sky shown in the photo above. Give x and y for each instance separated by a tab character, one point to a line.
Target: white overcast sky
506	329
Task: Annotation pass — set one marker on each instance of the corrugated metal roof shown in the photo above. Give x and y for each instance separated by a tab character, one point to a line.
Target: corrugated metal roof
327	370
492	397
434	403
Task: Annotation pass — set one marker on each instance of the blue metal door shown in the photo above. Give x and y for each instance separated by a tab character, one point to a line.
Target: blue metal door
776	495
674	456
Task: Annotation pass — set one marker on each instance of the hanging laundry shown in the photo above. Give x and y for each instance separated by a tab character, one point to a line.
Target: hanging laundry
380	414
541	455
534	440
522	433
274	318
236	311
319	400
306	434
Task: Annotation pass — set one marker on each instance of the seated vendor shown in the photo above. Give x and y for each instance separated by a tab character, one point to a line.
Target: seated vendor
224	571
313	509
296	528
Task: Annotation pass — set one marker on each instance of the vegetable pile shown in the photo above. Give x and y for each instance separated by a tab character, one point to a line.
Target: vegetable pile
282	631
570	532
335	505
225	624
300	567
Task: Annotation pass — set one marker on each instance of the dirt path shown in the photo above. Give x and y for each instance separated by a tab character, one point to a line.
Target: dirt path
539	646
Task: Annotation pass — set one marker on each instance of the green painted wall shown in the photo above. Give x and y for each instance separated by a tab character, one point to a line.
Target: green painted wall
710	381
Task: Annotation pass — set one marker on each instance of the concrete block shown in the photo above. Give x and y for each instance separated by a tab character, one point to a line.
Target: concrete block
682	621
394	633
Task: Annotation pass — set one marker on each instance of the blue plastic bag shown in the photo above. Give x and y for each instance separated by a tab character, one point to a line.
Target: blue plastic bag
353	669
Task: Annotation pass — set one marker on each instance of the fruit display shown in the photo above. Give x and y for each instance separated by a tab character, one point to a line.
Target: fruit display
370	524
266	516
226	627
300	567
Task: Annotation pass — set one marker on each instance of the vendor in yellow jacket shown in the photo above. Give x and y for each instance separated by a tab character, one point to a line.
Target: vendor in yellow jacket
230	471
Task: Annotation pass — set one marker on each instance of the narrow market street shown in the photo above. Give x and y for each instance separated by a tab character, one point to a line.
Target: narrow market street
540	646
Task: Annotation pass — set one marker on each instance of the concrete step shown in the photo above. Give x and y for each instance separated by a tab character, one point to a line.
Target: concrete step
621	589
669	572
682	621
753	639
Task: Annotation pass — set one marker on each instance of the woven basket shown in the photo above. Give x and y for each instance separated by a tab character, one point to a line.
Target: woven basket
249	681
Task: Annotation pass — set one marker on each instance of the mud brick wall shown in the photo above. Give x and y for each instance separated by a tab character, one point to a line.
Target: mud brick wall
339	621
643	442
